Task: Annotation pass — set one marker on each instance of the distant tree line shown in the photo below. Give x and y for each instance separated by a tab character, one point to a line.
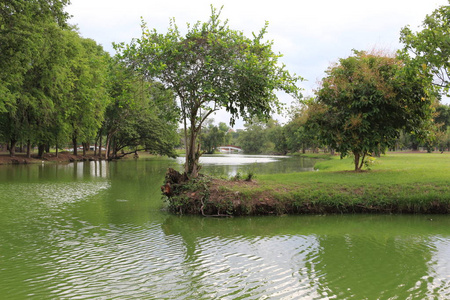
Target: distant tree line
58	88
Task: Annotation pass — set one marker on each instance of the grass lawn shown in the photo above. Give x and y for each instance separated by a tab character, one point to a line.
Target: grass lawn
396	183
393	168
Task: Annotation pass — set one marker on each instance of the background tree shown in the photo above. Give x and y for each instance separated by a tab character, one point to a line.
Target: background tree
31	64
442	123
254	138
301	134
140	116
211	137
88	97
365	101
23	27
210	68
430	47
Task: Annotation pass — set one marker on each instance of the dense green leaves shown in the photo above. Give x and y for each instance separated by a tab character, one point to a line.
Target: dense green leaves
140	116
431	46
55	86
210	68
366	99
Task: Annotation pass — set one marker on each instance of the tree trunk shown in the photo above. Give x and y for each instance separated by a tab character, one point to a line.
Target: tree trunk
74	142
41	149
108	140
28	149
193	154
12	148
100	146
357	156
85	145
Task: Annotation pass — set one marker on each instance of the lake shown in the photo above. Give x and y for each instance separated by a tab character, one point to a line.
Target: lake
98	230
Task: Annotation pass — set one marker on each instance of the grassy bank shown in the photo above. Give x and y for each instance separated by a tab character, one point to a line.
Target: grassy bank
396	183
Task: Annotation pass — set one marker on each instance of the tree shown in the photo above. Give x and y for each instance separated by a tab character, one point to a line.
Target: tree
30	69
442	123
87	98
21	33
211	137
141	115
301	134
430	47
254	138
366	99
210	68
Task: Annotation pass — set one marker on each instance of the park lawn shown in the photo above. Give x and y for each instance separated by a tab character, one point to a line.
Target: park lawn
393	168
396	183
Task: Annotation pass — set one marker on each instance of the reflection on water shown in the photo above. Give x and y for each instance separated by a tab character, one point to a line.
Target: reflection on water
231	164
98	231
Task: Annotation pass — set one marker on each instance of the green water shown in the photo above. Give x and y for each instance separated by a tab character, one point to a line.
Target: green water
98	231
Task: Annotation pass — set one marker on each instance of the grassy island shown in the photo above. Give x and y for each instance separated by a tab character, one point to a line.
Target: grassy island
395	183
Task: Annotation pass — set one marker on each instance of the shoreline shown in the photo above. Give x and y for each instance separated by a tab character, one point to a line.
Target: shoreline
398	183
63	157
221	198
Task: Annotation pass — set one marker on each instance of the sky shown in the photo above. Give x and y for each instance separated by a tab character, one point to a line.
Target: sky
311	35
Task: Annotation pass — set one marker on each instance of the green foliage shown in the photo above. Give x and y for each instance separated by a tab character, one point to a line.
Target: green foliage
365	101
212	137
31	72
430	47
24	31
300	134
55	86
141	116
253	139
88	97
210	68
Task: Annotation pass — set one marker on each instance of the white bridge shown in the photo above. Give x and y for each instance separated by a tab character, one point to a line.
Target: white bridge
229	149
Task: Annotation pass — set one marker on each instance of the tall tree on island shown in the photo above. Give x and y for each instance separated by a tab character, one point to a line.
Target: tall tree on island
366	99
210	68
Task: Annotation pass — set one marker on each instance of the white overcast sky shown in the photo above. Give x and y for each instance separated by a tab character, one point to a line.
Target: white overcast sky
310	34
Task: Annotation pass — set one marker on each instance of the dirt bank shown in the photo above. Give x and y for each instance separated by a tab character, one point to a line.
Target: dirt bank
63	157
222	198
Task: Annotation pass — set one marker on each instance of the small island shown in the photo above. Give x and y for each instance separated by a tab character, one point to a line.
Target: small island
397	183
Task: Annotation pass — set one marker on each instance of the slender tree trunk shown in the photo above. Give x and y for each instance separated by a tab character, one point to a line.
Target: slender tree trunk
186	146
100	146
108	145
12	147
85	145
74	142
357	155
28	149
362	161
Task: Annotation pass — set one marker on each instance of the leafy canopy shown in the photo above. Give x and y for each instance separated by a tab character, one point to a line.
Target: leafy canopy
366	99
210	68
431	46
